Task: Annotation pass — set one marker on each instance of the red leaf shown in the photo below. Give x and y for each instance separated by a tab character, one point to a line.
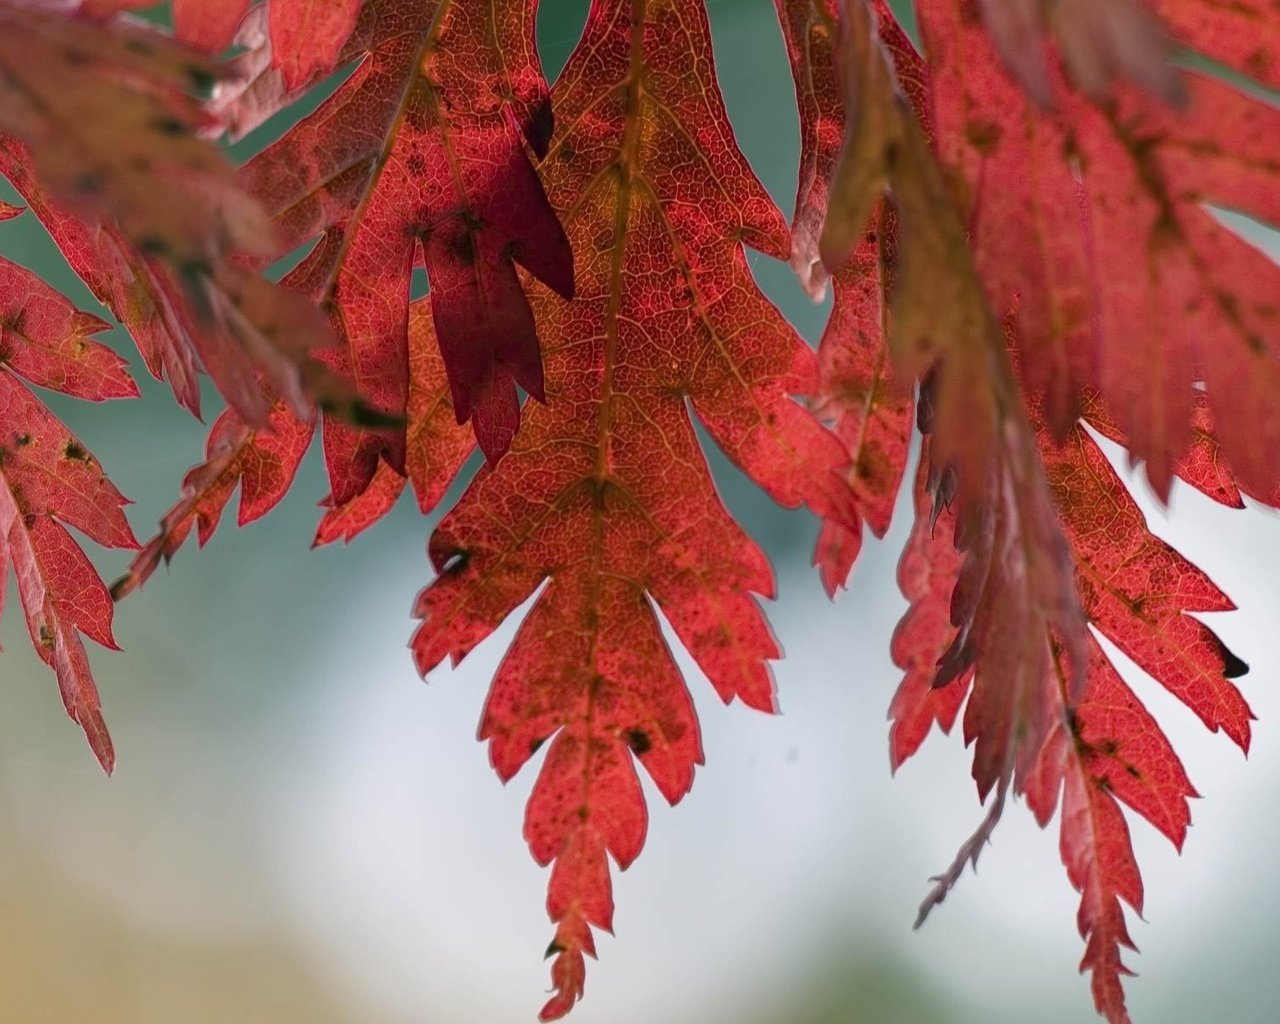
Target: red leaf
1114	751
1104	743
1137	590
308	35
1243	34
870	414
262	462
927	575
422	150
208	25
1015	587
48	479
204	25
604	505
1101	41
436	444
149	215
1099	859
1119	275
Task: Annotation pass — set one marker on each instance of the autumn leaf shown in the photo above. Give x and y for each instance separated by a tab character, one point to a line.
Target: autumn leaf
204	25
108	112
1089	226
604	505
422	150
1101	41
49	481
971	634
1102	745
1019	230
927	574
1107	751
308	35
262	462
1014	590
1242	35
869	412
1203	465
97	130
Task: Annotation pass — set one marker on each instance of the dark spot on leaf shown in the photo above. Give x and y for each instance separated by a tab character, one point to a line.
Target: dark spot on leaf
22	440
638	741
600	490
77	57
1109	747
75	450
984	136
462	247
1133	771
553	949
1232	666
536	745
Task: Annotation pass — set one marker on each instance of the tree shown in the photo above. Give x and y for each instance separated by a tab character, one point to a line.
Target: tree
1017	228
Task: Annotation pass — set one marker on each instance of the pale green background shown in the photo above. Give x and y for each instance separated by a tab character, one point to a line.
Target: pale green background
300	830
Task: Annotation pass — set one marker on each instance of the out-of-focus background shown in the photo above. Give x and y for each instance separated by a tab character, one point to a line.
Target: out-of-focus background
300	830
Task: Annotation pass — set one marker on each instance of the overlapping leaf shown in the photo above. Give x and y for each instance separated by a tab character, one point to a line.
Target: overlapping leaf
1074	219
1101	40
49	481
604	505
96	131
1089	223
1042	714
420	154
1014	589
205	25
262	463
1102	746
306	35
870	413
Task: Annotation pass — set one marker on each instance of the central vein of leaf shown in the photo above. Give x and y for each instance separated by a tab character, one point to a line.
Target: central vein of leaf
627	169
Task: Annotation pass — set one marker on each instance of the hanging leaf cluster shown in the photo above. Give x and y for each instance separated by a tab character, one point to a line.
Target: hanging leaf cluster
1016	213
